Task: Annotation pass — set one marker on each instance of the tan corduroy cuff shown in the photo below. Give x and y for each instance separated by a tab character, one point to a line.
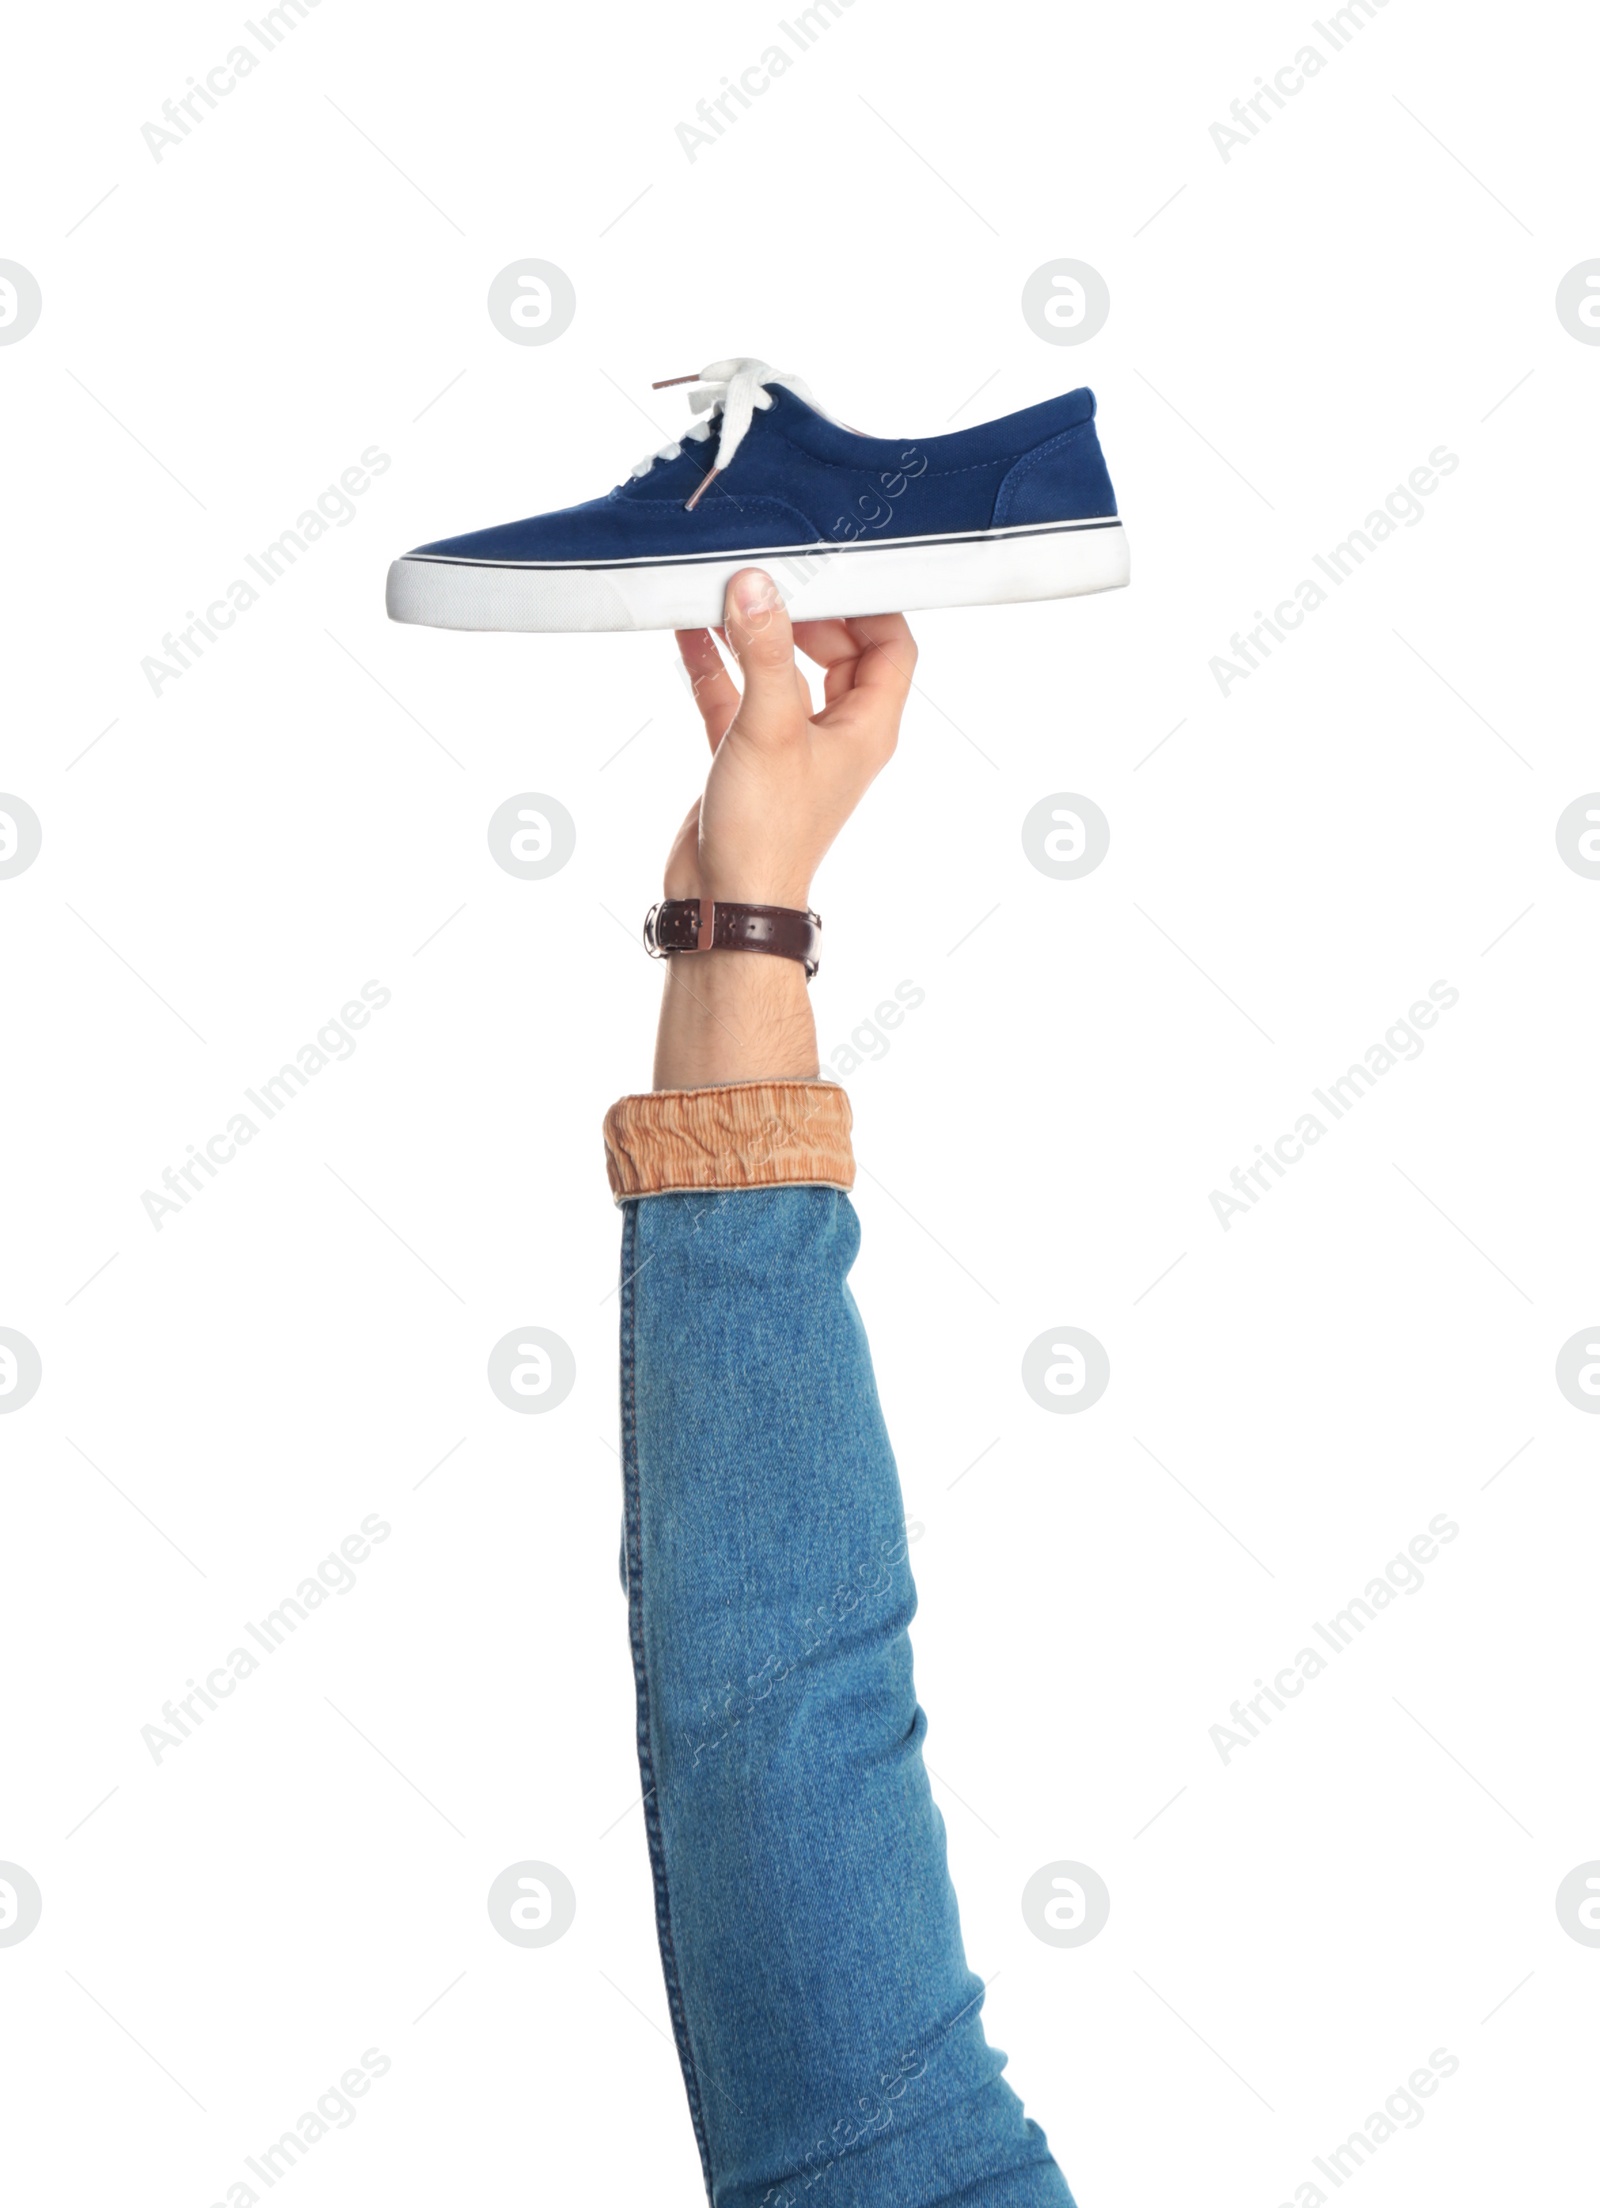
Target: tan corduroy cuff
751	1134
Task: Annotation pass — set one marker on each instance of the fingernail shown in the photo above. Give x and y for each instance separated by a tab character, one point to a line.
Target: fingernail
754	591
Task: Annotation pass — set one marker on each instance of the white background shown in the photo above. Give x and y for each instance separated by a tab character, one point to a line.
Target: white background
1290	335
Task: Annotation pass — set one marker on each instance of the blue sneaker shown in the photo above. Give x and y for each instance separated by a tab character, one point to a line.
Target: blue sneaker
845	524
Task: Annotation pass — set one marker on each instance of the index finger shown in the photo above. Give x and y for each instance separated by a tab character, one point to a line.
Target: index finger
875	651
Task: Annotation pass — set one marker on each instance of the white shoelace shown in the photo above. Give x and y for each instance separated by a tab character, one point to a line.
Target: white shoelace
735	389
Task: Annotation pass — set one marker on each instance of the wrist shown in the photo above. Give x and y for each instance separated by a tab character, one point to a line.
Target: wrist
749	886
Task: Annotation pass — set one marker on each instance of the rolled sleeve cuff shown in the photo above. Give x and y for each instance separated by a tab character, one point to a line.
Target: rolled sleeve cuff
750	1134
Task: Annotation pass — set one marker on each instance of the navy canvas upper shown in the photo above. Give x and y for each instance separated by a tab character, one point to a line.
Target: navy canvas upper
798	478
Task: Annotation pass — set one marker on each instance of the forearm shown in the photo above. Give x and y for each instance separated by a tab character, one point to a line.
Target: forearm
734	1016
824	2007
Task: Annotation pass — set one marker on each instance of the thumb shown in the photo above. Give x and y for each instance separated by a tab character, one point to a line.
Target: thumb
762	642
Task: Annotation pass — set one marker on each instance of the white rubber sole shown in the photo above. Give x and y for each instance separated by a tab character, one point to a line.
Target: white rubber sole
829	582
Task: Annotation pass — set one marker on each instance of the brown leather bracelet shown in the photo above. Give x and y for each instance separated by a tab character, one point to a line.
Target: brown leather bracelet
683	924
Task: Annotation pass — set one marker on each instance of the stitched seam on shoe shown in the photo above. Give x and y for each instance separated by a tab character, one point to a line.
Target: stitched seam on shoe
859	468
755	499
1005	496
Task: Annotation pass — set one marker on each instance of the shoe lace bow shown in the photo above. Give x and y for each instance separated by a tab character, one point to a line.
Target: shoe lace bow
730	393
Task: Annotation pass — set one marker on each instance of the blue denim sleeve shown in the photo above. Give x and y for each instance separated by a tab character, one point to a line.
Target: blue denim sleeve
827	2023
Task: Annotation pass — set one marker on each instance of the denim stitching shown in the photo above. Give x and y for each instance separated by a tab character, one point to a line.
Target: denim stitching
652	1815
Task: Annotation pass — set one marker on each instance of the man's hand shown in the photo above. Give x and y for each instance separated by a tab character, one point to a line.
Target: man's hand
784	780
